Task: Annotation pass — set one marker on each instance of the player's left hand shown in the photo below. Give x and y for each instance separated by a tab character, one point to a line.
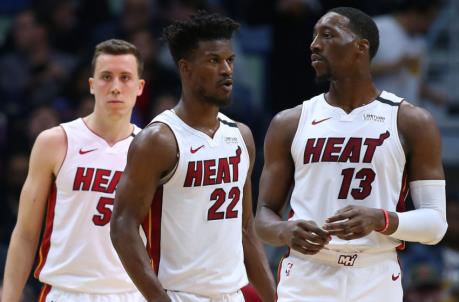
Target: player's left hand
354	222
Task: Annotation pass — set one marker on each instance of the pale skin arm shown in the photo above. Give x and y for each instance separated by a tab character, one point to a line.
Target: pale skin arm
423	163
43	167
134	195
255	259
275	183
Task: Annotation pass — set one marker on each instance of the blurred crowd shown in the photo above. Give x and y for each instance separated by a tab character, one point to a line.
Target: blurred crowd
45	53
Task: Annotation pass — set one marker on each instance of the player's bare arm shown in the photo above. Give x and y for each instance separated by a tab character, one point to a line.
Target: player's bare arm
152	154
275	183
423	149
43	166
255	260
423	152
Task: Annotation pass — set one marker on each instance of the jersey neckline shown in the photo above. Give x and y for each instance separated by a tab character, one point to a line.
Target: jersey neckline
355	110
210	140
85	126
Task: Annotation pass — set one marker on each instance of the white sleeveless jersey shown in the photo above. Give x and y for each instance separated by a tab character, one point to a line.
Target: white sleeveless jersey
194	228
349	159
76	252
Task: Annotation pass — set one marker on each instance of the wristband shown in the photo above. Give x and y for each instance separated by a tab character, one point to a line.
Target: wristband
386	222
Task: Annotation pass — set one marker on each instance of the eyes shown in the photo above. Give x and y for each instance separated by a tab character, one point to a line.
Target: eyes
216	60
325	34
109	77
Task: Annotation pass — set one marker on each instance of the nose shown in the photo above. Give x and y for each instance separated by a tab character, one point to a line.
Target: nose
227	68
315	45
115	89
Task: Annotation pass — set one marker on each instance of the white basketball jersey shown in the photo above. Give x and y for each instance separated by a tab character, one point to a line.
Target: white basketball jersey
76	252
194	228
348	159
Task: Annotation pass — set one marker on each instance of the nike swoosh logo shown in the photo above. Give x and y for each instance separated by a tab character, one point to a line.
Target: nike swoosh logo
314	122
195	150
395	277
86	151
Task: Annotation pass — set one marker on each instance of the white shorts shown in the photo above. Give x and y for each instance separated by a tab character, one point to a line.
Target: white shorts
188	297
53	294
334	277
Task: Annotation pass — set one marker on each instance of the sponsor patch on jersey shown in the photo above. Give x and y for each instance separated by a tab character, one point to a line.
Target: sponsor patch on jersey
230	140
374	118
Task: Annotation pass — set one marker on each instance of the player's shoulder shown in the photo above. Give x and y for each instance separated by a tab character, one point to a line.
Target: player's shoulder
156	132
288	118
413	121
283	127
157	137
244	129
52	138
410	116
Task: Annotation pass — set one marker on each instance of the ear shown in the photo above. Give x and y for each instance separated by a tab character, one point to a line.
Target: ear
91	85
141	86
363	46
184	67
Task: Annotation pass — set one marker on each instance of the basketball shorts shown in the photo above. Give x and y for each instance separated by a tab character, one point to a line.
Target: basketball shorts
53	294
189	297
335	277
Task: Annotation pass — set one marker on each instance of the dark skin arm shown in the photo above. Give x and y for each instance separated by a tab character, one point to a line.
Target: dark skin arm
151	155
255	260
275	183
423	163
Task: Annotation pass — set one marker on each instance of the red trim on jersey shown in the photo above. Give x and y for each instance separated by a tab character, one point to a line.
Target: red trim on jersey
291	213
146	226
401	204
44	292
279	268
152	229
46	240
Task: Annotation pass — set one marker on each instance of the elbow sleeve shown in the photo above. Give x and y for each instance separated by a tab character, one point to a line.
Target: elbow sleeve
427	223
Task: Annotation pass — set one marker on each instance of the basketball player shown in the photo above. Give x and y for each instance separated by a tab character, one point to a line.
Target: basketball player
74	169
350	155
187	182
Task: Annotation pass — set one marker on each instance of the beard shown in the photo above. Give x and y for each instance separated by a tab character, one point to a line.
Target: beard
220	101
325	76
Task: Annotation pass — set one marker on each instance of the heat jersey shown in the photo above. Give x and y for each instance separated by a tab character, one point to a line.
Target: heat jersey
348	159
194	228
76	252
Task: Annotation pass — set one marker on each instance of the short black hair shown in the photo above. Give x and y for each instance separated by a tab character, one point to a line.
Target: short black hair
117	47
183	36
362	25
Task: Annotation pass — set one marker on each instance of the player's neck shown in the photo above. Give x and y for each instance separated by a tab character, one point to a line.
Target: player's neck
112	130
349	94
198	115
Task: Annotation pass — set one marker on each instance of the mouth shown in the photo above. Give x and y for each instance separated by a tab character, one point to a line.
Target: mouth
226	84
316	58
115	102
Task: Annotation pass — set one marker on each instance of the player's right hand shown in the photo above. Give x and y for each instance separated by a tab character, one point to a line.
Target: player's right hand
305	236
